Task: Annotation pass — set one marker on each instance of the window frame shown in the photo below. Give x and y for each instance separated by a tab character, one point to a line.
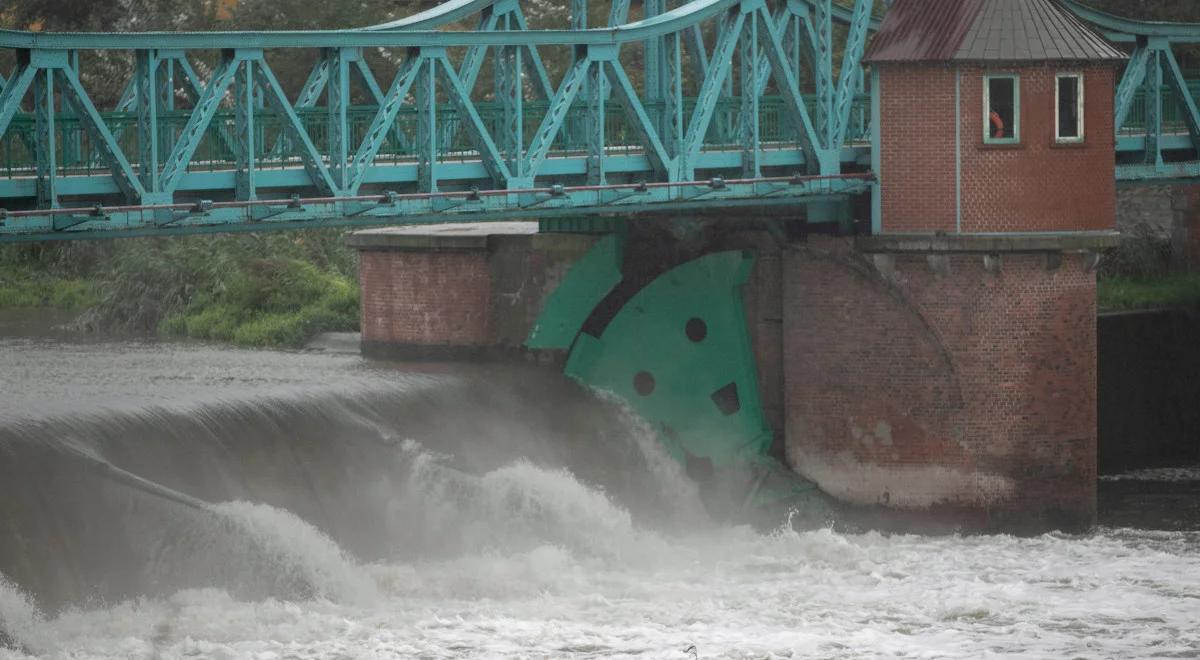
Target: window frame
1079	106
987	109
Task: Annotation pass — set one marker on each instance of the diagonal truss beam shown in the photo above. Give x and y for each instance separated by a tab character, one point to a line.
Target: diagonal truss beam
469	117
198	123
568	89
384	120
101	138
788	81
273	94
1191	113
852	71
642	124
14	92
1131	81
711	90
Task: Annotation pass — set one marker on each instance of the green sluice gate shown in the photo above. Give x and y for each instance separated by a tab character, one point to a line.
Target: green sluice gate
678	352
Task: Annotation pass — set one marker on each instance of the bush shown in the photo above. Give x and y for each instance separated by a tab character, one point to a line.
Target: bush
275	289
272	302
1139	256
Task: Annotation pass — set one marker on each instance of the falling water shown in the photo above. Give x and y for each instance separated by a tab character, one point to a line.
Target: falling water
171	501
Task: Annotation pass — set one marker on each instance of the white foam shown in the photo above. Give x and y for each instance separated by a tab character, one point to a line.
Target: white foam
299	548
1170	474
516	508
560	570
19	617
732	593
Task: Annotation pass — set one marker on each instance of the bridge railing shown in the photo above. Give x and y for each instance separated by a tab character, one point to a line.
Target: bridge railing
78	155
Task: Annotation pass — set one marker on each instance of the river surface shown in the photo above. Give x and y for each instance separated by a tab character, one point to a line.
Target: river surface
187	501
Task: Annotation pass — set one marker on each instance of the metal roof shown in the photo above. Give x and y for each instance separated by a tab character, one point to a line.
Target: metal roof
985	30
923	30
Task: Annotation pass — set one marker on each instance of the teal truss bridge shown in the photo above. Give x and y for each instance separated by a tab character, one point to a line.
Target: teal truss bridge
464	113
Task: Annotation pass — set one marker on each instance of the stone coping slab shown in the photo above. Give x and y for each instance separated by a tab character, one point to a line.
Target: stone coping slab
445	236
927	243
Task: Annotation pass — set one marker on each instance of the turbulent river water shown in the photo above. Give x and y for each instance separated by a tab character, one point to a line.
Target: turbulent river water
172	501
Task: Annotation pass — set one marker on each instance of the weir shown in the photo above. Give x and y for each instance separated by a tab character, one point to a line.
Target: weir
855	261
625	289
110	505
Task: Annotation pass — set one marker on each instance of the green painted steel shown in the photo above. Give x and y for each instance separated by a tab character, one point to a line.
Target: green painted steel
240	151
725	89
586	283
679	352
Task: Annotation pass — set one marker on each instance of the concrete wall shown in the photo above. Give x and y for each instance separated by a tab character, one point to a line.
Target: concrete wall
1037	185
964	389
1148	389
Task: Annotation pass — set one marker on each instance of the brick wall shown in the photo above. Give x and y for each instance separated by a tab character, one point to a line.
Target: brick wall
440	297
917	148
431	299
1037	185
970	393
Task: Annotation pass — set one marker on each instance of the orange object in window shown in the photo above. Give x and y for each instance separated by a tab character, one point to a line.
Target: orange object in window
997	125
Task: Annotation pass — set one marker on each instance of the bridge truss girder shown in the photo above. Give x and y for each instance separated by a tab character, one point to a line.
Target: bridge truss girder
237	152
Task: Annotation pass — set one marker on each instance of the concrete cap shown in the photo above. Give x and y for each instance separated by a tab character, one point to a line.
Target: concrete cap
445	236
1084	241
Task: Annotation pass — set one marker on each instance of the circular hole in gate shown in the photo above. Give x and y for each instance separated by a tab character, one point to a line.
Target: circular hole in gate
643	383
696	329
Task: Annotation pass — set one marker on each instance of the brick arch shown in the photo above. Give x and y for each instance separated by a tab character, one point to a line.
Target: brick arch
875	407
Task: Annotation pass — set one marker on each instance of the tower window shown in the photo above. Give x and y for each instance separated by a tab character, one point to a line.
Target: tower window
1001	109
1068	107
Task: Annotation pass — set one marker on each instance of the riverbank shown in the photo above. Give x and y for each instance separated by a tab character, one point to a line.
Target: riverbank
270	290
1178	291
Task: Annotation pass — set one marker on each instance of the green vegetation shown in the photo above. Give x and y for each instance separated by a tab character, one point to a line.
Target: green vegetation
252	290
271	302
21	289
1119	293
1141	274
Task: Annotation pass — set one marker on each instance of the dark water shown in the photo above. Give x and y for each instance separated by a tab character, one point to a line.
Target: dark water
183	500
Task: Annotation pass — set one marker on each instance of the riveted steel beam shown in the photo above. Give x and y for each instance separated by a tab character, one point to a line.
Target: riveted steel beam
1154	109
425	98
642	124
710	91
148	101
276	100
200	119
98	134
748	118
384	120
568	89
469	118
46	152
245	131
1131	81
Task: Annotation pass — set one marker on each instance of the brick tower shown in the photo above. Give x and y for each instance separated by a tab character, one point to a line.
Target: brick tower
946	364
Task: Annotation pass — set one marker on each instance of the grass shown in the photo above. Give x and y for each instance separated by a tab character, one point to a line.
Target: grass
275	290
1125	293
28	290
